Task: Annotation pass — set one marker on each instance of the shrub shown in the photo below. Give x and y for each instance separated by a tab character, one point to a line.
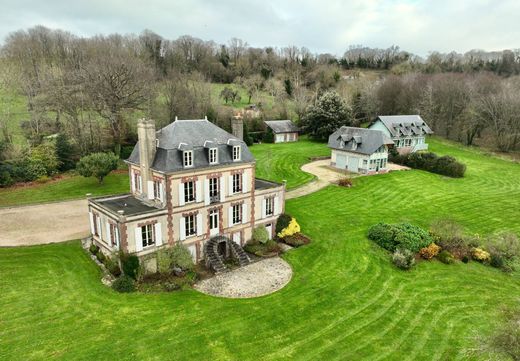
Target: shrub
124	284
401	235
496	261
164	261
449	235
45	154
506	245
446	257
465	259
260	234
97	165
130	265
5	179
101	257
403	259
428	161
93	249
291	229
429	252
345	182
181	257
480	255
282	222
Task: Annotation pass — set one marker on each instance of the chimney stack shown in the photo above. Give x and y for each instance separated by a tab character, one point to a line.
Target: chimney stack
147	147
237	127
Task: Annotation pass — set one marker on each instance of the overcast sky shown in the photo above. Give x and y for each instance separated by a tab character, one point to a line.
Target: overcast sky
321	25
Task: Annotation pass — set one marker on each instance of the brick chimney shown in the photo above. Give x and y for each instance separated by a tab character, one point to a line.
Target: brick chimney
147	146
237	127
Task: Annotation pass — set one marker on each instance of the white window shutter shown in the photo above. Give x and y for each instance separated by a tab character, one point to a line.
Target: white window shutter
150	190
222	189
264	205
182	227
132	181
109	241
245	182
277	205
118	237
206	191
230	184
230	216
198	191
141	183
91	222
199	224
158	234
245	214
98	219
138	239
161	191
181	194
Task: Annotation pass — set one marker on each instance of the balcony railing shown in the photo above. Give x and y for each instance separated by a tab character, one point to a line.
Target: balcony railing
214	198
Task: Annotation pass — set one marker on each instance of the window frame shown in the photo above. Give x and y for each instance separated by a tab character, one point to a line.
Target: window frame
157	189
137	181
95	221
213	156
236	153
187	158
113	234
237	183
187	189
269	206
190	223
214	188
237	214
213	219
148	235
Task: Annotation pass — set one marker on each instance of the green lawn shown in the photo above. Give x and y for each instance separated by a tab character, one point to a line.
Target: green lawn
345	301
282	161
70	187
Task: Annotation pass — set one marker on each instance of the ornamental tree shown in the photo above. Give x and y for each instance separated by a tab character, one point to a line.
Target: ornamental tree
97	165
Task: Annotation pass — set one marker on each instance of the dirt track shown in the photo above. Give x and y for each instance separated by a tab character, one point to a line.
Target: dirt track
43	223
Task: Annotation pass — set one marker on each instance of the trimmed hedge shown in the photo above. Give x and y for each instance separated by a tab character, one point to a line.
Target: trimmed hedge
431	162
399	236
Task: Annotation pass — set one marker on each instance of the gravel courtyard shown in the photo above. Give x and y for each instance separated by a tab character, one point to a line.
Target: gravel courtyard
254	280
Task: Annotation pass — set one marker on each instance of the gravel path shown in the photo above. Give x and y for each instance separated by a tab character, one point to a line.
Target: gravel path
43	223
254	280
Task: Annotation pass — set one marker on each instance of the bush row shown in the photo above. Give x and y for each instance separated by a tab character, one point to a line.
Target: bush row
431	162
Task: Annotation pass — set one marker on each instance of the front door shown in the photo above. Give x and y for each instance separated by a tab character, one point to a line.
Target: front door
222	250
213	222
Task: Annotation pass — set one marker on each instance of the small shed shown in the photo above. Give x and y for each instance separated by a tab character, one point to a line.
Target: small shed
283	130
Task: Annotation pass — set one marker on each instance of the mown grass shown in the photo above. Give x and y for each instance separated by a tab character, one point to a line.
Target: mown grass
283	161
345	301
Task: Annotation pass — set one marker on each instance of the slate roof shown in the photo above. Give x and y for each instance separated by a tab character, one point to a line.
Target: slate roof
193	135
405	125
265	184
358	140
282	126
128	203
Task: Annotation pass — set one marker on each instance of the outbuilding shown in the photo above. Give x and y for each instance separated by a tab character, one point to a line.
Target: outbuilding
283	130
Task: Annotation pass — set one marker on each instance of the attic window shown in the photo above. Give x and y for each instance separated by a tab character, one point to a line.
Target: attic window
188	158
213	156
236	152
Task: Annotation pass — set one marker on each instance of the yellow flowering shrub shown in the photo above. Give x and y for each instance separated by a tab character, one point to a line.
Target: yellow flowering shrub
291	229
429	252
480	255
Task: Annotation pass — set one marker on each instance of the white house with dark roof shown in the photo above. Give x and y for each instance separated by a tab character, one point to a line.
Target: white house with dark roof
191	183
283	130
359	150
407	131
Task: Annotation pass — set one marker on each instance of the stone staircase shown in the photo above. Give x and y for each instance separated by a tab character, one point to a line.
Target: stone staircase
215	261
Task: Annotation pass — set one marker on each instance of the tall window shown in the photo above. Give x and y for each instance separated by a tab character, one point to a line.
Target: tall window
188	158
236	152
113	234
137	181
237	213
148	235
189	191
157	189
213	156
95	218
190	225
269	206
213	189
213	219
237	180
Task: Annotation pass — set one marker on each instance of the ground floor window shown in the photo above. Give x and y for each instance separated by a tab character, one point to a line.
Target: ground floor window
95	220
269	206
237	213
190	225
213	220
148	235
113	234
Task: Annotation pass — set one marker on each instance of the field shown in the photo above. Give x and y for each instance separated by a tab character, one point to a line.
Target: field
345	301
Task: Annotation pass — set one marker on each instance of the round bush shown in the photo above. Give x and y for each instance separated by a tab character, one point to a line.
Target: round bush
260	234
496	261
446	257
130	265
124	284
181	257
401	235
403	259
282	222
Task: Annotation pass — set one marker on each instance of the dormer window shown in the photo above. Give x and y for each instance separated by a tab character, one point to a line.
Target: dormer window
213	156
188	158
236	153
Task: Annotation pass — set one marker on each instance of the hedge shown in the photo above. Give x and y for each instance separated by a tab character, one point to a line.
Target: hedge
431	162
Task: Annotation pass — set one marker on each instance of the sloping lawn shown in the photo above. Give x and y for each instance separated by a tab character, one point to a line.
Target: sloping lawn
346	301
282	161
70	187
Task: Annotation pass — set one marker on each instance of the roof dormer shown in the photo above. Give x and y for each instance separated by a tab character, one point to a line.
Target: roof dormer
187	155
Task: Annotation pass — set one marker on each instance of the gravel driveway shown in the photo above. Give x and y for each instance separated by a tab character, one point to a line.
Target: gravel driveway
44	223
254	280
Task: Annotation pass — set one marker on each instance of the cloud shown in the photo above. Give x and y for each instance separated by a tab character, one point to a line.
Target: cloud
419	26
